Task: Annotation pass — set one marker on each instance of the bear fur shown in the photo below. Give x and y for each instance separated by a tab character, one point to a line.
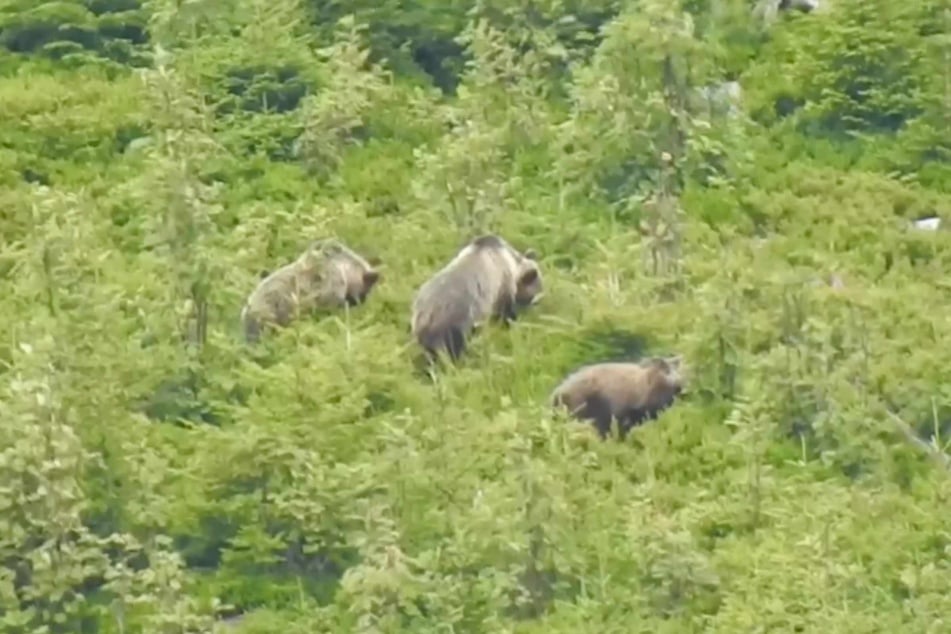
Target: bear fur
327	275
630	393
488	279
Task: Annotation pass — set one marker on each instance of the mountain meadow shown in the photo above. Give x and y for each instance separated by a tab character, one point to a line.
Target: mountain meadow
758	189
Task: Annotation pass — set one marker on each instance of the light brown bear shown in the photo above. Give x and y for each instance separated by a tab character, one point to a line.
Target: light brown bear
327	275
488	279
630	393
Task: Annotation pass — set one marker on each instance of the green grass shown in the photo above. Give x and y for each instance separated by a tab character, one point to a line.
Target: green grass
322	483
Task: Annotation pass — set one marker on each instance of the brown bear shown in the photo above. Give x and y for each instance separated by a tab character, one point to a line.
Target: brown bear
630	393
327	275
488	279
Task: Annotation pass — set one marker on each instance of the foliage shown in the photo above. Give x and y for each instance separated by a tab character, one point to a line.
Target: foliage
158	475
76	31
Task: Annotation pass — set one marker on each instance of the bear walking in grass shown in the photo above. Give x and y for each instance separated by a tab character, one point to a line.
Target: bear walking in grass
630	393
327	275
487	279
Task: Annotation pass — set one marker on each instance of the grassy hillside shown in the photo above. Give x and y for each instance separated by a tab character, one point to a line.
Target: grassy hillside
157	475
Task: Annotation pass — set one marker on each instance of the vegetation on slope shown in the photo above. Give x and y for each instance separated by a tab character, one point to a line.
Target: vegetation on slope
156	475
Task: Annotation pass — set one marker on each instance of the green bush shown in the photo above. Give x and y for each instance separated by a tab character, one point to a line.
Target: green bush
156	474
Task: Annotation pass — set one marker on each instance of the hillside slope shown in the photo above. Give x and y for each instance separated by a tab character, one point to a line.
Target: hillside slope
156	159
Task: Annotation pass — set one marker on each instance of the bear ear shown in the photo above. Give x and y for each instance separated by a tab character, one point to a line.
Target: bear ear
371	277
530	254
528	276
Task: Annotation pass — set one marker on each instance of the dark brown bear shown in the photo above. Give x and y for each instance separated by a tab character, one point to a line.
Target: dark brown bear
487	279
630	393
